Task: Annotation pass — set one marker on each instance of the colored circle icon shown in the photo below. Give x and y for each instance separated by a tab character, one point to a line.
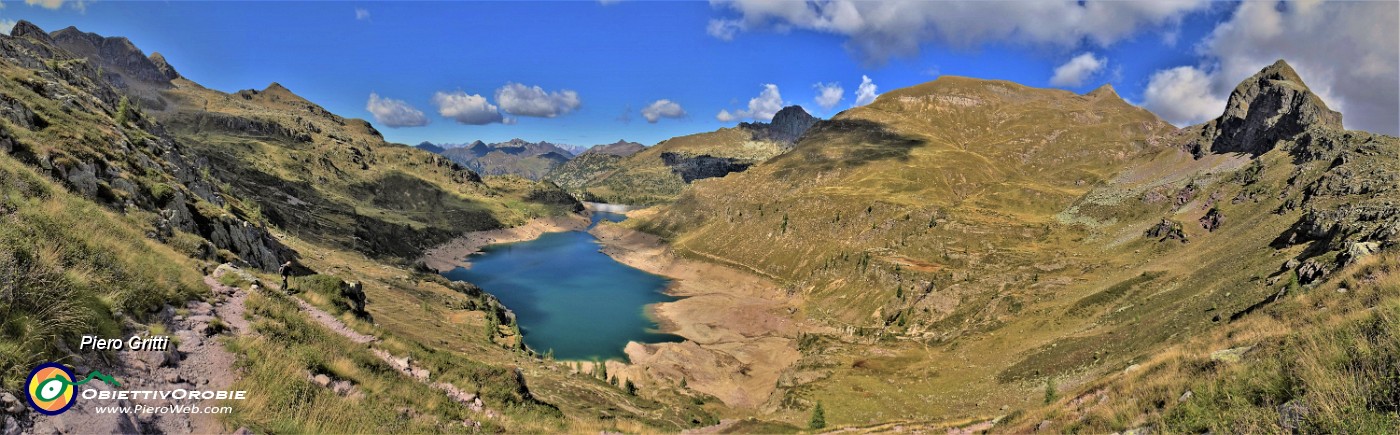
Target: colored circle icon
50	388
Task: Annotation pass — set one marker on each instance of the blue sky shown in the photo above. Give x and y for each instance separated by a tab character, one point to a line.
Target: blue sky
597	66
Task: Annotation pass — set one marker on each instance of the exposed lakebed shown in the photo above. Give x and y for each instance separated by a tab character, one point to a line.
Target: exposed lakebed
569	297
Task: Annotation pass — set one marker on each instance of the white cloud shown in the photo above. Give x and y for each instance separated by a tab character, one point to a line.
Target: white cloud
361	14
829	94
1077	70
723	30
521	100
662	109
761	108
7	25
725	116
1182	96
394	113
865	93
1346	52
877	31
466	108
46	4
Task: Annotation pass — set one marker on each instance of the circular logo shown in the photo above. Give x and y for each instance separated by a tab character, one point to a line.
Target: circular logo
50	388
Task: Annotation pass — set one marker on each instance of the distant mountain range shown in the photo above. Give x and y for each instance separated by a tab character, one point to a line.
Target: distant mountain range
533	160
659	173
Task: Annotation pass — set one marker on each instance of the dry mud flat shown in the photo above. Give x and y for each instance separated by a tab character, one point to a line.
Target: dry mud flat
740	328
453	254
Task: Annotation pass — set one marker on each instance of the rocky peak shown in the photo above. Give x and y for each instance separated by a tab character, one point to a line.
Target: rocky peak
114	53
27	29
1103	91
787	125
792	121
1268	107
163	66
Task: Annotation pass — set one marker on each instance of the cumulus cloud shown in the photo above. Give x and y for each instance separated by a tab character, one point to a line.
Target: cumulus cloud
521	100
662	109
361	14
394	113
7	25
1182	96
761	108
865	93
46	4
829	94
877	31
466	108
1077	70
1345	51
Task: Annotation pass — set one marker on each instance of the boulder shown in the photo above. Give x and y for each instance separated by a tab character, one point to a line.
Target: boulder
1165	230
10	404
1212	220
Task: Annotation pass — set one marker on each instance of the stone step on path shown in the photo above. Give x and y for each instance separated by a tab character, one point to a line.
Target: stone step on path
404	365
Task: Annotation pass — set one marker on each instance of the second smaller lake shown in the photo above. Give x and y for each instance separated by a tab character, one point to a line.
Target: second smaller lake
569	297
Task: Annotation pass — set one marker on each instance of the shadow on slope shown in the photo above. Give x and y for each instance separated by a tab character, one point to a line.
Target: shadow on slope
848	143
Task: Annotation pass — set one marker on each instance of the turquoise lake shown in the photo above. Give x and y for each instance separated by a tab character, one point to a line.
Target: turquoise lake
569	297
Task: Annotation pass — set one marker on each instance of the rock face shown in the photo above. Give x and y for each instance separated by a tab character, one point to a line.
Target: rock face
1268	107
692	168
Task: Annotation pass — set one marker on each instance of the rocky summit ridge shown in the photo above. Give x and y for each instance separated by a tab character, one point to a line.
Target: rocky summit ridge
1272	105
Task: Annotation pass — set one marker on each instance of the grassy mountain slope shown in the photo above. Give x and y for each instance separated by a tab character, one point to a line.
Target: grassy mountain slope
969	240
321	176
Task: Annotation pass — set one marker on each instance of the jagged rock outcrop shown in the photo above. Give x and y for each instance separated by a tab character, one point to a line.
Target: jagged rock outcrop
243	126
1270	106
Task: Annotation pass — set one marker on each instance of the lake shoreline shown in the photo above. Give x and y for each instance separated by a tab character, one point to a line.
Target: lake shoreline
453	254
741	328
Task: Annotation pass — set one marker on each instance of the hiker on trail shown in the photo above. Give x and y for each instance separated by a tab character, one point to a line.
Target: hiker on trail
285	271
